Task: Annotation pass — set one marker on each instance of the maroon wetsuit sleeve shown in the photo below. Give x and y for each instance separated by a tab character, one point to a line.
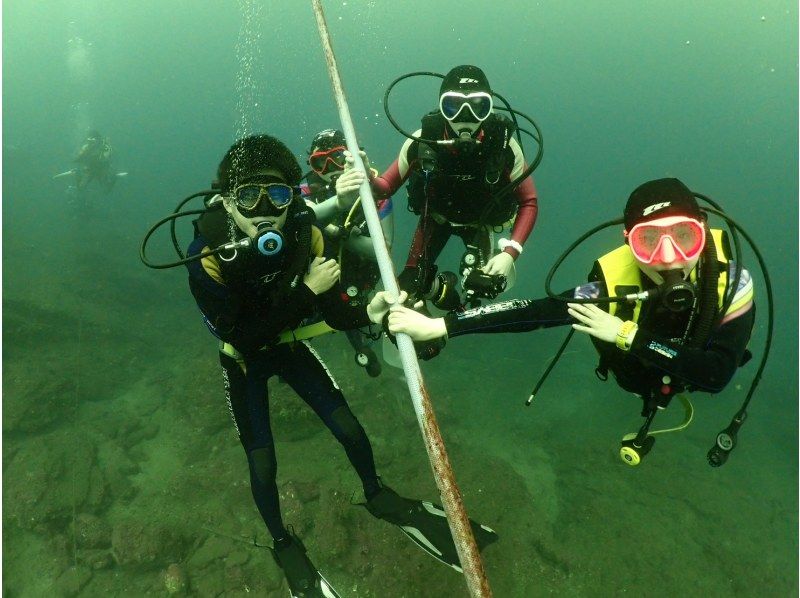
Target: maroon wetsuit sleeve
526	214
389	182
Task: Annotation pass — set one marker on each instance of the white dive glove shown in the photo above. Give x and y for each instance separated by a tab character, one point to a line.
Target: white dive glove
502	263
595	322
416	325
380	304
347	187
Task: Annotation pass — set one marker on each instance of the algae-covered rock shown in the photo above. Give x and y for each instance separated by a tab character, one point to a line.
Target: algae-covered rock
91	531
209	582
175	580
73	580
294	511
292	419
96	558
145	545
33	404
334	521
237	557
133	432
49	479
214	550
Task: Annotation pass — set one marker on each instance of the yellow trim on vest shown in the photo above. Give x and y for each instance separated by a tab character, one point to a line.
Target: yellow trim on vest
211	266
722	283
229	350
305	332
620	268
287	336
741	302
317	242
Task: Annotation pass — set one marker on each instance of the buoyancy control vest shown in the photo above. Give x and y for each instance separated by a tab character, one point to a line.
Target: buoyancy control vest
258	280
318	189
458	181
621	274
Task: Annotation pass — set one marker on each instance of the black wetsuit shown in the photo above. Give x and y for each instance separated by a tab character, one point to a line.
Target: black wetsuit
360	273
249	314
656	350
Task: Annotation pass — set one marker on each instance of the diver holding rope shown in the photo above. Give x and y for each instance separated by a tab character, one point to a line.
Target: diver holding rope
346	236
256	270
670	312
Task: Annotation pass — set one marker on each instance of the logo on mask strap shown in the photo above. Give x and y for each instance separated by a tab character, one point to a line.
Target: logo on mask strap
467	80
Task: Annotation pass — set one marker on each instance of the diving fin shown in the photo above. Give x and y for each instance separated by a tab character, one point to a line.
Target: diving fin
426	524
63	174
302	576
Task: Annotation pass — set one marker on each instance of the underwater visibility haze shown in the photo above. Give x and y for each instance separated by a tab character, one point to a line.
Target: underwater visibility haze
122	471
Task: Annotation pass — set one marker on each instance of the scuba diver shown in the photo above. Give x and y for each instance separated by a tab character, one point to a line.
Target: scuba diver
256	270
668	312
346	235
468	180
94	164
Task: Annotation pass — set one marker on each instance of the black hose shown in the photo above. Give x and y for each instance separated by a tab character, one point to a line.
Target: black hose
709	295
770	311
510	110
206	193
550	366
737	256
183	260
395	124
531	167
563	256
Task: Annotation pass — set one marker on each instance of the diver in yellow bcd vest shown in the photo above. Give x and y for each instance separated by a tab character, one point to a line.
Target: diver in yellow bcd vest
669	312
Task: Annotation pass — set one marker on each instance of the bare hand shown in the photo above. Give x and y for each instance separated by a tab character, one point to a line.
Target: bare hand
322	275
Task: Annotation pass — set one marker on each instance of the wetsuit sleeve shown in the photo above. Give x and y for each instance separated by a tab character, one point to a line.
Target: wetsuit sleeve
712	367
392	179
519	315
228	318
386	215
527	201
361	244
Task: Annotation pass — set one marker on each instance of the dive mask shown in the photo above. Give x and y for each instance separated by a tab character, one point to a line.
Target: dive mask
648	240
453	103
326	161
256	199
